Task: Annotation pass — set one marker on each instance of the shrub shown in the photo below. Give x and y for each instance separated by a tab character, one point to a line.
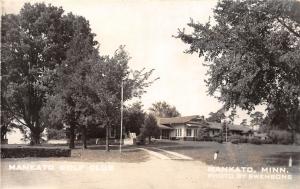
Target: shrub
27	151
235	141
281	137
268	141
238	139
140	139
244	139
207	138
255	141
218	139
56	134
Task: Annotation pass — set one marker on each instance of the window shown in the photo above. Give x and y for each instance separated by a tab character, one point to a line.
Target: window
178	132
188	132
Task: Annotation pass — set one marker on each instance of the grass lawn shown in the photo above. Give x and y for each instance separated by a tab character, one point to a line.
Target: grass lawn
100	155
251	155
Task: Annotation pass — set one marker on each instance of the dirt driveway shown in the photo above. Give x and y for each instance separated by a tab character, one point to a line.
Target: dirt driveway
153	173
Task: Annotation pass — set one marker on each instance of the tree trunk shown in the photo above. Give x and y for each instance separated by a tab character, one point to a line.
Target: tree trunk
72	137
3	132
293	123
83	137
107	137
35	135
294	135
35	138
293	130
149	139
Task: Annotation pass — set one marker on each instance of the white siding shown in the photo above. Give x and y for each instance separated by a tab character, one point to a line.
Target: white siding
183	131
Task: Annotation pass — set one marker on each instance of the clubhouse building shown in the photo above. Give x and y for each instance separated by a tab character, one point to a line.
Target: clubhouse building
197	128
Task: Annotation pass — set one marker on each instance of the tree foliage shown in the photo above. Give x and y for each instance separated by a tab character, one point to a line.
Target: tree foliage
134	117
150	127
252	50
278	120
163	109
232	116
88	95
244	122
217	116
257	119
34	42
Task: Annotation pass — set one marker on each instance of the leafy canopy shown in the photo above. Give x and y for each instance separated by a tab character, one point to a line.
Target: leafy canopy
163	109
34	43
253	52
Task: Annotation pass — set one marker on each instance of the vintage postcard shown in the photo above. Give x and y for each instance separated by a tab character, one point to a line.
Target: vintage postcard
150	94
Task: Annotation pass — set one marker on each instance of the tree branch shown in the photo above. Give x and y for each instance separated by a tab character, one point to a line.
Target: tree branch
287	27
16	117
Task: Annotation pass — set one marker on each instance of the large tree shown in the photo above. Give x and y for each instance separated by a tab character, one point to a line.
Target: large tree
88	93
134	117
34	42
252	50
108	76
257	119
69	103
217	116
150	127
163	109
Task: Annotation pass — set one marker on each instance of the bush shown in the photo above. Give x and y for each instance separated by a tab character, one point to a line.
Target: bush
244	139
218	139
235	141
238	139
268	141
140	139
256	141
27	151
281	137
204	138
56	134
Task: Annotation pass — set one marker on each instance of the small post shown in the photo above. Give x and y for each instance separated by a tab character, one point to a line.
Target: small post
290	162
226	130
121	132
216	154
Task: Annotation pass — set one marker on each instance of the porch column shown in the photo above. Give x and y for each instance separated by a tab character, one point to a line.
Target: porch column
160	134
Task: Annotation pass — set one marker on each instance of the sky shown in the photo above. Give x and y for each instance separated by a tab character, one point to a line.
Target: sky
146	28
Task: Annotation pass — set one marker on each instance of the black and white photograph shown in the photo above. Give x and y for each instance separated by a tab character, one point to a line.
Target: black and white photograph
150	94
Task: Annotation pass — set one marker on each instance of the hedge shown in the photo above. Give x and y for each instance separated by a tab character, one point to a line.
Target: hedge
281	137
27	151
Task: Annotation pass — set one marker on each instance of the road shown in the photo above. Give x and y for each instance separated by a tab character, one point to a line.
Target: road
174	172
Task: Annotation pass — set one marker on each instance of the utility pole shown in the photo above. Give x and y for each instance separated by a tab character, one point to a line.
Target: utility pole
226	125
121	132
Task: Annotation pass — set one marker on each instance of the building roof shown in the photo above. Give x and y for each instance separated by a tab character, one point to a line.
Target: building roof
164	127
214	125
176	120
195	120
244	129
